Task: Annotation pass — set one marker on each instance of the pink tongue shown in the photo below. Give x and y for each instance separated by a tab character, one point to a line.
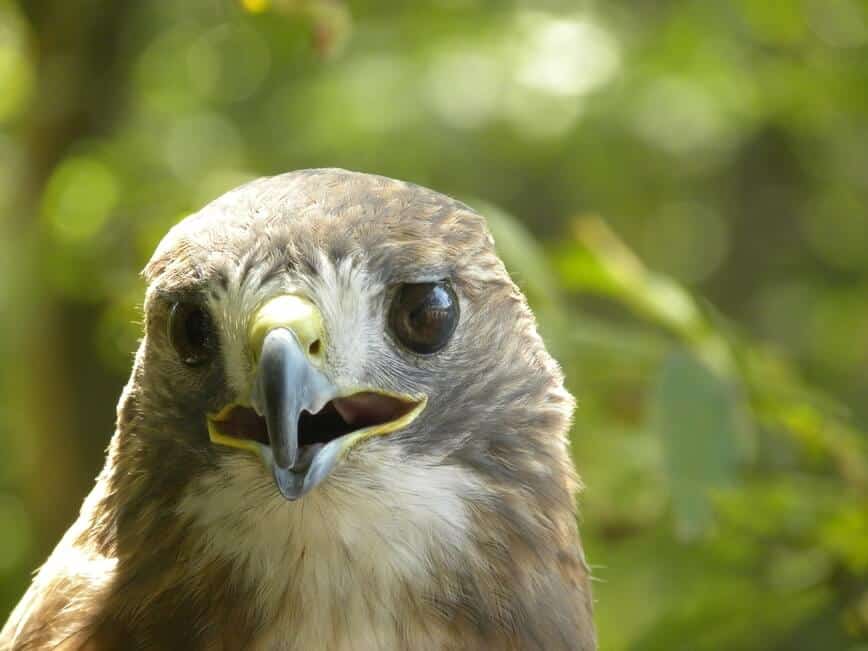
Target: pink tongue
367	408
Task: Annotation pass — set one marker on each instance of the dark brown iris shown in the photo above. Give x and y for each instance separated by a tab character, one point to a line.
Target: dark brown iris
191	333
423	316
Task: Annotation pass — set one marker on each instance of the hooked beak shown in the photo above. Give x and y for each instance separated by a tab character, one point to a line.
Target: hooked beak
297	420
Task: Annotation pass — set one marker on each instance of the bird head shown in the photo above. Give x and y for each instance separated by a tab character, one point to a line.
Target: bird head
342	430
329	334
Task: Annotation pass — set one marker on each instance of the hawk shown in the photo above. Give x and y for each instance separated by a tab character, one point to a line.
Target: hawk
341	431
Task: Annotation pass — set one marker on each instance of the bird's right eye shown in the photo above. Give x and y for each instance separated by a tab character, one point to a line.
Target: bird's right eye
191	333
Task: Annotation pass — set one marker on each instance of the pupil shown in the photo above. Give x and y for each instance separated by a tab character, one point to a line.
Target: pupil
196	328
419	317
191	333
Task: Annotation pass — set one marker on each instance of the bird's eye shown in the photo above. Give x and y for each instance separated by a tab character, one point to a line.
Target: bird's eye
423	316
191	333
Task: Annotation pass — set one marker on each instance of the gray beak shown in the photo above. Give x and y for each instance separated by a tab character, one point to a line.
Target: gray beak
288	384
310	425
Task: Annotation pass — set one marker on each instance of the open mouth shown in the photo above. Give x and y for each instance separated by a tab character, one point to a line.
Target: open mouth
294	417
363	414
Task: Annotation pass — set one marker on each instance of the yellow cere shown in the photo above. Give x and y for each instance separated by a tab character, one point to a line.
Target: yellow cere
293	313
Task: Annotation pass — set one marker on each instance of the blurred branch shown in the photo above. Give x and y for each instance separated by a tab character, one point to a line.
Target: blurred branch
621	275
779	398
81	71
81	68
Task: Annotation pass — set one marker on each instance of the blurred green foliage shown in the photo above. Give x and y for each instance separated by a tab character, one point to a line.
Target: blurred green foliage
713	321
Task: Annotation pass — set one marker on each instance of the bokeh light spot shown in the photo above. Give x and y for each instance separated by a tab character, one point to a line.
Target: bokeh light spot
79	197
16	72
464	87
566	56
679	117
202	141
686	240
839	23
255	6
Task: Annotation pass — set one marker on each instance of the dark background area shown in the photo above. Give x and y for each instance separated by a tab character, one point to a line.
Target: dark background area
679	187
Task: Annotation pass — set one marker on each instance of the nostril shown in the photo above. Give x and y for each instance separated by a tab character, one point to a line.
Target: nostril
314	348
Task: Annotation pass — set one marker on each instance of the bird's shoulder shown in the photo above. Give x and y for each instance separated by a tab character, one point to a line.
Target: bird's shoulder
63	608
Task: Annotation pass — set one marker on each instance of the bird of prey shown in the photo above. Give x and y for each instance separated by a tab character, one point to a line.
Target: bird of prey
342	431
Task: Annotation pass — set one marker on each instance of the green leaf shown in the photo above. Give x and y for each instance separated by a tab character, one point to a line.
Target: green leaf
700	420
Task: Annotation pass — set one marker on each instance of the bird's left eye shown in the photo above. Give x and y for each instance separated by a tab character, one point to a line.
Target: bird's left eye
191	333
423	316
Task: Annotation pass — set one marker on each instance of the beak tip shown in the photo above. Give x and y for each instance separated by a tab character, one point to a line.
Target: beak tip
290	485
314	466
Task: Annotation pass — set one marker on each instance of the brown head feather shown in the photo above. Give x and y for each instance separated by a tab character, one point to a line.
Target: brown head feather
149	563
